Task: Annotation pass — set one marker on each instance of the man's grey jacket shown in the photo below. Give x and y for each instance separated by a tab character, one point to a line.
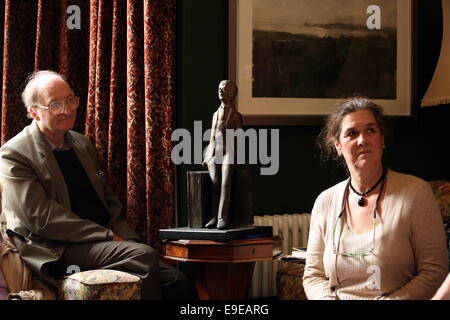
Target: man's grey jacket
36	201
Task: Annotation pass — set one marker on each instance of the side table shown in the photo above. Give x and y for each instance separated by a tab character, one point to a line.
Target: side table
222	270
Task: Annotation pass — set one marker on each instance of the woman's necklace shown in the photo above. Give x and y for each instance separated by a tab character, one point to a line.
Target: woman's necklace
362	199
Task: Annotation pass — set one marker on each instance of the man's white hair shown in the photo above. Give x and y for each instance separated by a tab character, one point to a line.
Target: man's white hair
30	95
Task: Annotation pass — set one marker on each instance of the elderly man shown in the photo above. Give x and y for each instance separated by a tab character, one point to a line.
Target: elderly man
58	208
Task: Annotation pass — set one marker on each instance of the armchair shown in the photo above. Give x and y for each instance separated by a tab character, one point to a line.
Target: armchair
99	284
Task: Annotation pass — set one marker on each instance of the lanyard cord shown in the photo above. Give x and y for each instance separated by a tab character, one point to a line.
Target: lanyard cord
336	248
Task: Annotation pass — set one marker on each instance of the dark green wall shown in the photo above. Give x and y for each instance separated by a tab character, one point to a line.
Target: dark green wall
422	149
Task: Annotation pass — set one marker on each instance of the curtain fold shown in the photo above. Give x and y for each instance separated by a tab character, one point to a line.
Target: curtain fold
136	170
159	113
121	63
117	133
18	62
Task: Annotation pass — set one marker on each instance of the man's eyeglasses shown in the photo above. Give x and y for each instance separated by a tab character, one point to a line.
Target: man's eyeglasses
71	102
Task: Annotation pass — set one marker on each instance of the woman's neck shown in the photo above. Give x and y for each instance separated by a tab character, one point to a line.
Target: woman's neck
364	179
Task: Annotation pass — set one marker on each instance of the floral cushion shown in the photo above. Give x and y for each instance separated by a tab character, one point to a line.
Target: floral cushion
441	190
100	285
290	282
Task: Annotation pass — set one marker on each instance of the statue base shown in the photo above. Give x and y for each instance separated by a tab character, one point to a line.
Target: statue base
199	199
215	234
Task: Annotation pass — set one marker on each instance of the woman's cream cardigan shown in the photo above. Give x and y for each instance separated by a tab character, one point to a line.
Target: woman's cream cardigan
410	256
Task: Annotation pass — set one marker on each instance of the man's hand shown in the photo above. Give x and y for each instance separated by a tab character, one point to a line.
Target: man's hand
117	238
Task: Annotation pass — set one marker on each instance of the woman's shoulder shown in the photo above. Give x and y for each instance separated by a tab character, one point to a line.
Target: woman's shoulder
329	201
406	181
412	189
333	193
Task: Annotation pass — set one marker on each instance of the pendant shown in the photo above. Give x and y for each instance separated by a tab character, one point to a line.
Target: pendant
361	201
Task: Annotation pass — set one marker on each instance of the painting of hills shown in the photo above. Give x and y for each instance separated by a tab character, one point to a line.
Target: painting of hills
323	49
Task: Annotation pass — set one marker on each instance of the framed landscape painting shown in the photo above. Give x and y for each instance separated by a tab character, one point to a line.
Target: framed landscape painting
293	60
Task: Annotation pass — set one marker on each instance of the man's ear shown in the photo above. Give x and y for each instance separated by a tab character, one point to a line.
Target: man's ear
34	113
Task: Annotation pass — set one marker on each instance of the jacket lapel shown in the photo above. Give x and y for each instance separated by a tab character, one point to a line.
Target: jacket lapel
48	160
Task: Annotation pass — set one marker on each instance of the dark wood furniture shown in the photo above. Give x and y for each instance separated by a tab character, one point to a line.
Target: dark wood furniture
222	270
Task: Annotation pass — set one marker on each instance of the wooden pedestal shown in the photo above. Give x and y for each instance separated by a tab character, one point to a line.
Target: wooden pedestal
222	270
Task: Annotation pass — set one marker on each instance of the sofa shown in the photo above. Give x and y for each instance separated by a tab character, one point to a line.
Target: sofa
289	278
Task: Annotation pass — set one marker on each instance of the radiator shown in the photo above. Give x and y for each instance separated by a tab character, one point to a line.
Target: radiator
294	230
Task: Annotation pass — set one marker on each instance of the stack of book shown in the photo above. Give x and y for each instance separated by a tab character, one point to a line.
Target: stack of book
298	255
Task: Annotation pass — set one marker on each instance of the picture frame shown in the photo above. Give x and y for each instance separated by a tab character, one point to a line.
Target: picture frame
377	63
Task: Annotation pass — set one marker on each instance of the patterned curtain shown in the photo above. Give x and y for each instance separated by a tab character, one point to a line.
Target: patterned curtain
121	63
